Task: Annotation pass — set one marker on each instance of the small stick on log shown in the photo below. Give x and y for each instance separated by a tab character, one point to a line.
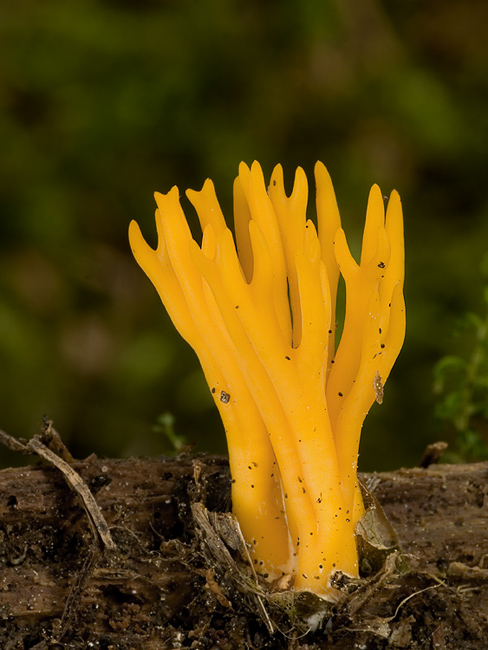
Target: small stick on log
97	521
99	528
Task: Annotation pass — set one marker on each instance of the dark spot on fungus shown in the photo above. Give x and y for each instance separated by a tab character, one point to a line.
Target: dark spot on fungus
288	358
340	395
224	397
381	265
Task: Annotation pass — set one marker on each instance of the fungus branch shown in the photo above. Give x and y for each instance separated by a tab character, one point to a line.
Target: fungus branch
260	312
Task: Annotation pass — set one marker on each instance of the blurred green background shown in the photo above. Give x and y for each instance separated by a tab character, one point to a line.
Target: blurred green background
101	103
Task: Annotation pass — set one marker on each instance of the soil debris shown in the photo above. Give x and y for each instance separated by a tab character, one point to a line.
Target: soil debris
161	589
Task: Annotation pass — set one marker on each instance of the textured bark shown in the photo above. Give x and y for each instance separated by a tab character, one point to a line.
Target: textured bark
60	588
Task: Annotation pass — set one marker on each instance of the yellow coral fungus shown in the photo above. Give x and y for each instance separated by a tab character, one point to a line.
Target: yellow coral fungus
260	314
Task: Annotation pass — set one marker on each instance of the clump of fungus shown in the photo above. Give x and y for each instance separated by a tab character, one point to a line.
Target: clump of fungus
259	312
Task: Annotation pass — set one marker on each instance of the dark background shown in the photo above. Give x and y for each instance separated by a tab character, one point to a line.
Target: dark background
101	103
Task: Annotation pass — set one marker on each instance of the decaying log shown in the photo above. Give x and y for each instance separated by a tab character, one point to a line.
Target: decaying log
60	588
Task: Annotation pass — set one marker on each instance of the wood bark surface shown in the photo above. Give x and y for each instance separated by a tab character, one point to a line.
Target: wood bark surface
60	589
